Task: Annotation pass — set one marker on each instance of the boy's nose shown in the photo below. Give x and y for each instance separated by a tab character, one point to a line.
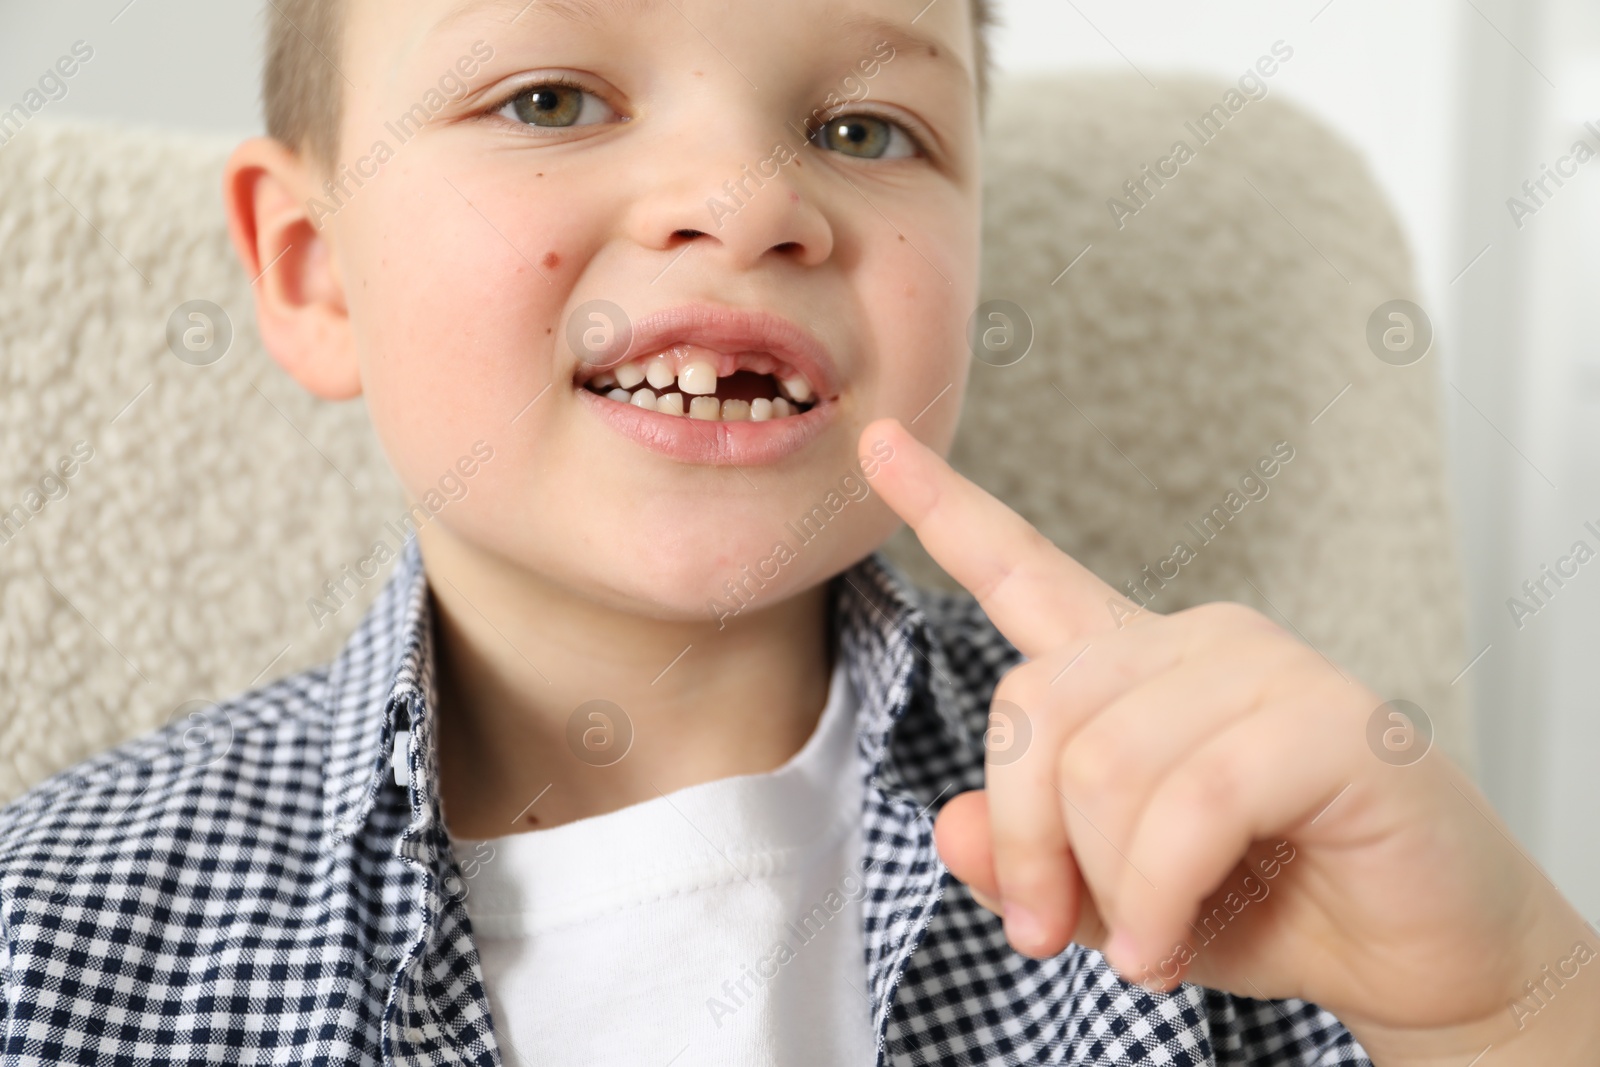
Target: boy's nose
743	207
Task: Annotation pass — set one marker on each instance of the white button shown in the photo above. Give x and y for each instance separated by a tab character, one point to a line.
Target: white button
400	759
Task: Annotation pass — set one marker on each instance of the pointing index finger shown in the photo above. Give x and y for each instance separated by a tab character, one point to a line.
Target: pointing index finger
1039	597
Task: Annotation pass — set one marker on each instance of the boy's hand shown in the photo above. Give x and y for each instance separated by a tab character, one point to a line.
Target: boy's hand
1197	799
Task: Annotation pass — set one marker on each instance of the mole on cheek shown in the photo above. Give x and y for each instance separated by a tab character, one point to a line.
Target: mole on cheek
551	260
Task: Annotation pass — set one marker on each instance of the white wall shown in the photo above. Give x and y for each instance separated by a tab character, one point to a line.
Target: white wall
188	64
1455	104
1527	336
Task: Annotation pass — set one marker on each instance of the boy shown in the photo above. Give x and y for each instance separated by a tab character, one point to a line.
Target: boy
628	765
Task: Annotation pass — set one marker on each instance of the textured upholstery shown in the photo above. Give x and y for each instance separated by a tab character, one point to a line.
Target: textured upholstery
1221	318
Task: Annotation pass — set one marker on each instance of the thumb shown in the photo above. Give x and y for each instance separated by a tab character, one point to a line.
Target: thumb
961	833
963	837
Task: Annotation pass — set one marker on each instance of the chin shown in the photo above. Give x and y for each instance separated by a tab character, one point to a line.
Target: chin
713	577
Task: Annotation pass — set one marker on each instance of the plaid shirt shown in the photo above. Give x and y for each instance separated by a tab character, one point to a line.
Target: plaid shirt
253	886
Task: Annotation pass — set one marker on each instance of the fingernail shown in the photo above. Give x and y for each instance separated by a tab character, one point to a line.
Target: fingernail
1024	929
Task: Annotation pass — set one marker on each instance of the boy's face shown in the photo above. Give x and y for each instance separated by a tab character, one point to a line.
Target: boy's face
671	179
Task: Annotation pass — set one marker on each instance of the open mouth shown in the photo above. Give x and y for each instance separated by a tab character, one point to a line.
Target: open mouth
693	382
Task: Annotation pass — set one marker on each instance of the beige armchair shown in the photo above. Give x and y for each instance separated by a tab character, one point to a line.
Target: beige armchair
1218	320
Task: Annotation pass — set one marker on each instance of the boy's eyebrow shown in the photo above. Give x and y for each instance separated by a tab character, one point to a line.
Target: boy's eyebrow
903	38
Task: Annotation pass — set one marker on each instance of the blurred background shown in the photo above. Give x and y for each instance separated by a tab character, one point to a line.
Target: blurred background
1456	105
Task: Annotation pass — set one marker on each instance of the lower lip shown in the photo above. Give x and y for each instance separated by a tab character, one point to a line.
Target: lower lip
708	443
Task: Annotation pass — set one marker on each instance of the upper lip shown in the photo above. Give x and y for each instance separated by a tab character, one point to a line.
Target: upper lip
732	331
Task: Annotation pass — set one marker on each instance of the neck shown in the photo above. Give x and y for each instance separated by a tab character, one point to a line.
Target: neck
523	664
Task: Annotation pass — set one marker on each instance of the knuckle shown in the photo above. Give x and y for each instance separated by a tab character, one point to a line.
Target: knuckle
1014	840
1030	868
1209	785
1010	685
1098	761
1019	702
1294	670
1237	630
1251	619
1232	616
1020	684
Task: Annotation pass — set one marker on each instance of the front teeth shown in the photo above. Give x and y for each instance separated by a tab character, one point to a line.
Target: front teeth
658	372
695	395
698	379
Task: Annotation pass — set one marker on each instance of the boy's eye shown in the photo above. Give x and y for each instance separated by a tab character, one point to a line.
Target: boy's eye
556	105
865	137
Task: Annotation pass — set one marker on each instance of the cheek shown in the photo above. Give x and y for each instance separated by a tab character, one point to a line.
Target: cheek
456	328
917	315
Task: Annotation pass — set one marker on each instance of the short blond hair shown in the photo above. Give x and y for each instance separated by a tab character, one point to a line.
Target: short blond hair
303	91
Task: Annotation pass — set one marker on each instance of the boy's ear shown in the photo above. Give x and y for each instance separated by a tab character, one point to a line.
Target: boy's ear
300	297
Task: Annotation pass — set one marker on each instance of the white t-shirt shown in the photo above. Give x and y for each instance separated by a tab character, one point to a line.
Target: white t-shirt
718	925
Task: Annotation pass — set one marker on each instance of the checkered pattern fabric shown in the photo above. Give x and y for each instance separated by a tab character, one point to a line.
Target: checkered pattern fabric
250	885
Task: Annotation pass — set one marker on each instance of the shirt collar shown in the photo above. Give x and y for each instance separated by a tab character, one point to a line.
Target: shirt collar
382	682
385	667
